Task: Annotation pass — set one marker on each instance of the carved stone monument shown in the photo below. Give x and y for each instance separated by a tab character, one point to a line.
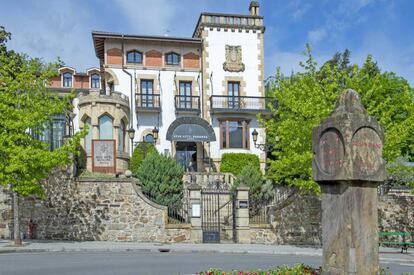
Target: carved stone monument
348	165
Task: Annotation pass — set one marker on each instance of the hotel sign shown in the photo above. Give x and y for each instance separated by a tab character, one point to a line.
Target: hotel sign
103	156
190	132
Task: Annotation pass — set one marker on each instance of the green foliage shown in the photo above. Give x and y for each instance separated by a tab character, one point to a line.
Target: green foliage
235	162
298	269
161	179
401	173
81	160
140	151
26	104
260	189
305	98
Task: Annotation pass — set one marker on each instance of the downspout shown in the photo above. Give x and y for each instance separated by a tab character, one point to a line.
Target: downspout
131	117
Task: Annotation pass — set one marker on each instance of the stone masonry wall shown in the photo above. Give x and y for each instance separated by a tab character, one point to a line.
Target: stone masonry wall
6	213
298	220
112	210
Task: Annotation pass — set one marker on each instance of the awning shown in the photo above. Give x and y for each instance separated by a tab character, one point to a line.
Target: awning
190	129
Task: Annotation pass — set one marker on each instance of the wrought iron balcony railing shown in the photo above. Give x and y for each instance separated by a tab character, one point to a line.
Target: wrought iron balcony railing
187	103
242	104
148	102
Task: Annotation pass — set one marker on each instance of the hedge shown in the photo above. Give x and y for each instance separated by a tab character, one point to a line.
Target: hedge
235	162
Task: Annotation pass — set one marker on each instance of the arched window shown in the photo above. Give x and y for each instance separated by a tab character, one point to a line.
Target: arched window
95	79
121	137
88	137
67	80
149	138
105	127
134	57
172	58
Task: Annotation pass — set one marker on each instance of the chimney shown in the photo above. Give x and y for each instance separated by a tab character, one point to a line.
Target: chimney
254	8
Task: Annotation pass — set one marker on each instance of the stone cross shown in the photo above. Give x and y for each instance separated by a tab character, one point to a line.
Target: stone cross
348	165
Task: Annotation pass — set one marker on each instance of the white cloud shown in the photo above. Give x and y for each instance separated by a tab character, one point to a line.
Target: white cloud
51	29
314	36
153	17
301	11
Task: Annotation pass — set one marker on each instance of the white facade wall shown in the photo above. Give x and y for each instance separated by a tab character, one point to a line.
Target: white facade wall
147	121
249	42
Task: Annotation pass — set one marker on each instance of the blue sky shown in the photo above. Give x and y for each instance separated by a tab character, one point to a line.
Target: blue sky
384	28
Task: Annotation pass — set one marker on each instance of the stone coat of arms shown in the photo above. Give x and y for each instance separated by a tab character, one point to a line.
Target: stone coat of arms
233	61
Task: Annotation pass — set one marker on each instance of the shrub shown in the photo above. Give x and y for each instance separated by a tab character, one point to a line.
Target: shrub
260	189
235	162
140	151
80	160
161	180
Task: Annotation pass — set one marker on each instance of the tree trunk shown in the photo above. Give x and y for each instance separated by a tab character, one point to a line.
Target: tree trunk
16	220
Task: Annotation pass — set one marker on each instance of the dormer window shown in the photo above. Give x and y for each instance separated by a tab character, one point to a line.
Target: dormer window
172	59
95	79
67	80
134	57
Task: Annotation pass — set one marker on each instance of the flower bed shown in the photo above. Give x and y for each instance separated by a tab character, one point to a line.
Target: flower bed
298	269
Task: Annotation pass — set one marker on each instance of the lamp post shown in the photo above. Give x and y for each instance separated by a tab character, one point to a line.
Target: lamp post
131	134
155	132
265	147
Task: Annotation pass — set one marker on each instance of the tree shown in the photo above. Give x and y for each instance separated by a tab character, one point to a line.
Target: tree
26	107
161	180
140	152
307	97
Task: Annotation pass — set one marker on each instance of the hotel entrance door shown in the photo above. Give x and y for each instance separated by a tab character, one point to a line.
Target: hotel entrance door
186	155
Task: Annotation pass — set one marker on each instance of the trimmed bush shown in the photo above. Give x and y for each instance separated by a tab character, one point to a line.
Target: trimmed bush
140	151
161	180
235	162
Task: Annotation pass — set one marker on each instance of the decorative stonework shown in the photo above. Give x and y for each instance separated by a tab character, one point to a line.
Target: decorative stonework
233	59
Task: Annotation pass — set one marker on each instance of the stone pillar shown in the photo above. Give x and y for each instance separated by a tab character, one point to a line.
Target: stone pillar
348	165
195	213
200	154
242	214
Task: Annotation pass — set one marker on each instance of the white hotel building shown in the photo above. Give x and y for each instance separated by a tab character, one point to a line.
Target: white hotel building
202	93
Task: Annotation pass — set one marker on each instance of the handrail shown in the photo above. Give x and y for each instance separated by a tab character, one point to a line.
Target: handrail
147	101
187	102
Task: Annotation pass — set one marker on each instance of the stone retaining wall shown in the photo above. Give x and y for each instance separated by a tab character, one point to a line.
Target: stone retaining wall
297	221
104	209
6	213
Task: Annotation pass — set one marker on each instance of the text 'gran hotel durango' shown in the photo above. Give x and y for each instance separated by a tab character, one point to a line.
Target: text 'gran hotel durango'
194	97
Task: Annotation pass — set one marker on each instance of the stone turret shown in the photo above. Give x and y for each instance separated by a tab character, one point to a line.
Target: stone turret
254	8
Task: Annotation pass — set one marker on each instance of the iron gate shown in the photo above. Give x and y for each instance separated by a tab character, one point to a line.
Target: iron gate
218	216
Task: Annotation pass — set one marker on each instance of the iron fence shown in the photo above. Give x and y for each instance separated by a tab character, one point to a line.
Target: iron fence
177	214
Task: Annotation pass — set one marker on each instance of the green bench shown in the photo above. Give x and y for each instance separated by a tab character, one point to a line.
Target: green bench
401	239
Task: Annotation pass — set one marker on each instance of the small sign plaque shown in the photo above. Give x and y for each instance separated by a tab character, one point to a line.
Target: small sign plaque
103	156
195	210
243	204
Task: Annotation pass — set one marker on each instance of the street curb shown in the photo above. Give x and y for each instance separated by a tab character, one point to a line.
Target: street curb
182	250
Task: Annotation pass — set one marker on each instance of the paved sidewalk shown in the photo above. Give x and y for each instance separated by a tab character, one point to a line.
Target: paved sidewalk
386	254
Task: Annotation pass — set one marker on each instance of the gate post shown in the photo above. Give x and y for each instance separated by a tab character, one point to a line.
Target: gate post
195	213
242	214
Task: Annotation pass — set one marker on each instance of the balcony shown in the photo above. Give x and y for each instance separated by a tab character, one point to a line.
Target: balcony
187	104
222	104
99	96
148	103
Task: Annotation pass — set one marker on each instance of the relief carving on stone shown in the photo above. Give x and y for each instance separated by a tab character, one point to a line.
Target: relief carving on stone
233	61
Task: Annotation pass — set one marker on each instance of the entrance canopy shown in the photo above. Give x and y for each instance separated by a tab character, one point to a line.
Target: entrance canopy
190	129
